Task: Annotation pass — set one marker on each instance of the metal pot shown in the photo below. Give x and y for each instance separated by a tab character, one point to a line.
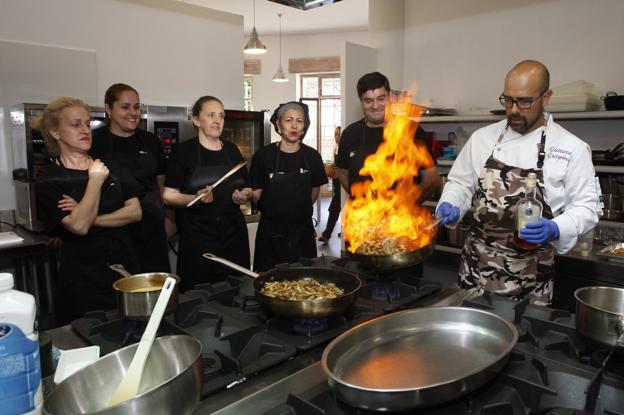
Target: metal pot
171	382
417	358
137	294
600	314
613	101
347	281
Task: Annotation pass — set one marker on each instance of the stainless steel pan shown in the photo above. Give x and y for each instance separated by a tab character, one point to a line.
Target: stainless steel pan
171	382
349	282
417	358
137	294
600	314
394	261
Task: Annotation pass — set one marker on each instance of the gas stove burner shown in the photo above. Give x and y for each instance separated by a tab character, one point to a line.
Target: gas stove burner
384	291
613	364
134	331
309	326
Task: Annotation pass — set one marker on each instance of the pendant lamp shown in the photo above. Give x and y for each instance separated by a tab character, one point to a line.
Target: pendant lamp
280	76
254	46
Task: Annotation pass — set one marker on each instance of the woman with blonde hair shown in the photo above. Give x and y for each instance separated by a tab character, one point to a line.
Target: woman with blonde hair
88	204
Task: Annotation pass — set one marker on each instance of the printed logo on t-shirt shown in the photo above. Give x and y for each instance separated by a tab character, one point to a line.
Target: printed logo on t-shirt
351	154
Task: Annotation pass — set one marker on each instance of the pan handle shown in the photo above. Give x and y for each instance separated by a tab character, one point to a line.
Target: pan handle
230	264
120	269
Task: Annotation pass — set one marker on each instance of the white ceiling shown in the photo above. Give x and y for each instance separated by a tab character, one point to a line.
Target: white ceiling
342	16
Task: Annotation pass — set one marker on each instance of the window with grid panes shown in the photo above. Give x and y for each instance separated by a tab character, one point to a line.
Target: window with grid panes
321	92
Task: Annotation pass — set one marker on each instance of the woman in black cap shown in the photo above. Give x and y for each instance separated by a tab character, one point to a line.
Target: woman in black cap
285	178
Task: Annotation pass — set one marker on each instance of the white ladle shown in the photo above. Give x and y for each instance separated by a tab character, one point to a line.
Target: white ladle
129	385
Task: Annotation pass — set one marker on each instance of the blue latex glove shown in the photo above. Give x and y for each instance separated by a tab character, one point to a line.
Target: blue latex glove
448	213
540	231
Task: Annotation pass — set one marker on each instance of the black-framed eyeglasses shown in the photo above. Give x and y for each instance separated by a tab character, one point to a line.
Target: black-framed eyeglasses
524	103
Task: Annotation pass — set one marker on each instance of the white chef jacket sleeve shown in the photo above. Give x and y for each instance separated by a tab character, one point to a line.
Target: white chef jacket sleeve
462	178
581	208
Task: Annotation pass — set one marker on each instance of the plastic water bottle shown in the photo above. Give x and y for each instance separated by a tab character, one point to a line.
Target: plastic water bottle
20	369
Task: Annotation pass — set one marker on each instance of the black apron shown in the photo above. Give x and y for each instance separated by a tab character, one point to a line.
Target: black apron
285	231
490	260
149	234
85	279
202	229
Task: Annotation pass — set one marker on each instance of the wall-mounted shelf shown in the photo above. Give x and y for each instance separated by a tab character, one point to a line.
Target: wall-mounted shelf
609	169
446	248
445	163
598	168
482	118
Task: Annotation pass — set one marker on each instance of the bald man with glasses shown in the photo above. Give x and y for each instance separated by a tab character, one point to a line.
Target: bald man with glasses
489	178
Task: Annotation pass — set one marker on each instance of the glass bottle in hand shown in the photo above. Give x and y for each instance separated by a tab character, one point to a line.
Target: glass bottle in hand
528	209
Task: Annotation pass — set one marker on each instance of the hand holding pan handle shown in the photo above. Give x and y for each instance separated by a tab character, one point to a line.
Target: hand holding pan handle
230	264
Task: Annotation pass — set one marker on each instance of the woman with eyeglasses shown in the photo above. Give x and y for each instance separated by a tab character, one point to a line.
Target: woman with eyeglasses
89	205
491	175
140	152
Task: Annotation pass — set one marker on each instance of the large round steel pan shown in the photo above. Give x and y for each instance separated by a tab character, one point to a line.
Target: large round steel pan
417	358
347	281
600	314
170	384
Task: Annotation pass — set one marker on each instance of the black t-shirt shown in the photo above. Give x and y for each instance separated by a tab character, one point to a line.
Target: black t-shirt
56	181
132	154
358	137
182	165
263	164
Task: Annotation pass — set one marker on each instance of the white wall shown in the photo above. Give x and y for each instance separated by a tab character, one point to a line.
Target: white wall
268	94
459	52
357	60
170	52
386	27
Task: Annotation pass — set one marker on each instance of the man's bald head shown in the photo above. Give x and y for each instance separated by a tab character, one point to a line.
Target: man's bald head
532	69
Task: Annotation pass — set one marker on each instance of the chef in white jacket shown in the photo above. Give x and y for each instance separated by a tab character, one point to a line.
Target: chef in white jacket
489	177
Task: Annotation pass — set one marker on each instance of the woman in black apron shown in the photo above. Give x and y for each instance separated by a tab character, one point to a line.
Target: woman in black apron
286	177
94	229
142	154
214	224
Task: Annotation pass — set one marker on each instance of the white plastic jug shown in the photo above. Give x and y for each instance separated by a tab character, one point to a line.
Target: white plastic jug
20	368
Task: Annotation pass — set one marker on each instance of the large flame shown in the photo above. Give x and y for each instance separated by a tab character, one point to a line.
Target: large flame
386	206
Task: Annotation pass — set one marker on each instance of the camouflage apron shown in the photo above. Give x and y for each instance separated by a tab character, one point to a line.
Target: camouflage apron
490	261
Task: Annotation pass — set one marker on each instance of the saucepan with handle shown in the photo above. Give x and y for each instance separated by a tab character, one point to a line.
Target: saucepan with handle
600	315
137	293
